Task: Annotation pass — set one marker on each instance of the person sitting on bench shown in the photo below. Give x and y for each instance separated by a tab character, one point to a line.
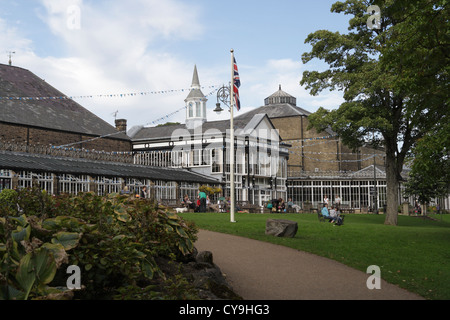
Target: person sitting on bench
325	213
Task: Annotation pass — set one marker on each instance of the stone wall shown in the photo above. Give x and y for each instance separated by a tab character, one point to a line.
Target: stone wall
38	136
310	152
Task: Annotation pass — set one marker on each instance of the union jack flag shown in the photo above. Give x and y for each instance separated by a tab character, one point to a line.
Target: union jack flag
237	84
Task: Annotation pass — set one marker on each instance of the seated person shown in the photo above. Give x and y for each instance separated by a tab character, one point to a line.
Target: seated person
281	205
336	216
188	203
290	204
274	205
333	214
325	213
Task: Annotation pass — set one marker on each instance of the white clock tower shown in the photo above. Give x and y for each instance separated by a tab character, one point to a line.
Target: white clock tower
195	104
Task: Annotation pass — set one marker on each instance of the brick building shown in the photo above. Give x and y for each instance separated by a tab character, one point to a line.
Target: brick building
49	140
319	163
205	147
33	112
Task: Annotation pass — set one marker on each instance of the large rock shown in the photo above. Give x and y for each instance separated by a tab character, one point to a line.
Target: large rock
281	228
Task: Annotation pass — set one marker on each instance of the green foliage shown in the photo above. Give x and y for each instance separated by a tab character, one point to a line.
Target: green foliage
394	79
413	256
210	190
430	166
114	240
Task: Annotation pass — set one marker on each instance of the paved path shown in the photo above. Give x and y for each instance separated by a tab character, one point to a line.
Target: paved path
263	271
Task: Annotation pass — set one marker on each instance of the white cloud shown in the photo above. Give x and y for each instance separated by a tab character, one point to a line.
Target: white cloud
115	49
120	47
264	81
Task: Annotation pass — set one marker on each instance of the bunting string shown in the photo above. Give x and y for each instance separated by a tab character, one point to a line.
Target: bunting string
113	95
313	139
336	161
167	116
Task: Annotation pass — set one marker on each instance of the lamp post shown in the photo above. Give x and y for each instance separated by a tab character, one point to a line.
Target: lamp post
224	95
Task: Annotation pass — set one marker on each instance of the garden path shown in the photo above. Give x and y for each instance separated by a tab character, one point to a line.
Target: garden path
263	271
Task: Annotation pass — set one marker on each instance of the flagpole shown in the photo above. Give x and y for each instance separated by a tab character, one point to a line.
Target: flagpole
232	188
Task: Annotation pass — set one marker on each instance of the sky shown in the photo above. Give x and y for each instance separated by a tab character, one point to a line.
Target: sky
149	47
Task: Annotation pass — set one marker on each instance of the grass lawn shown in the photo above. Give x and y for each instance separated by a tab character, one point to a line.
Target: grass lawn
414	255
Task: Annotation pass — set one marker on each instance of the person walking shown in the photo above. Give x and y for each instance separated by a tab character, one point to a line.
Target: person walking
202	196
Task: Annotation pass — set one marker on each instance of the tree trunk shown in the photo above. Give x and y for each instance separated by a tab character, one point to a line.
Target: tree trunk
391	188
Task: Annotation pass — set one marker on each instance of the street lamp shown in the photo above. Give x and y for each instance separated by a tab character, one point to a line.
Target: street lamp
224	95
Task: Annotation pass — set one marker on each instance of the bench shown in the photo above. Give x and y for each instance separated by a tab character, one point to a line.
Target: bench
171	203
252	208
323	219
345	208
320	216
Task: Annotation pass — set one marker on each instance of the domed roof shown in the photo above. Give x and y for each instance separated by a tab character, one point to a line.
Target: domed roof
280	97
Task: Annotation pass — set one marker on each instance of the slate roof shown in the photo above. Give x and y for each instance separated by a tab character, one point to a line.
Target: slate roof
272	110
276	111
63	165
242	126
59	114
195	92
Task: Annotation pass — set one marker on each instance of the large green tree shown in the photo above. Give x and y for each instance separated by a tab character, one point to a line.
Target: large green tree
430	165
394	78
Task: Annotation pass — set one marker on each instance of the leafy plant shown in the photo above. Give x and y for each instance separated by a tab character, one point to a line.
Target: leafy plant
114	240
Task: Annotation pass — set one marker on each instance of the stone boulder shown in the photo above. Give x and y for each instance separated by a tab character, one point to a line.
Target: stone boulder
207	278
281	228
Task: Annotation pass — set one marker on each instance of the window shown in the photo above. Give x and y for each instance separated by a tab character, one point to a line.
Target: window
196	157
191	110
198	109
206	159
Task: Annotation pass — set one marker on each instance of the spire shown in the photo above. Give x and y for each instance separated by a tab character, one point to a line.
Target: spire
195	104
195	80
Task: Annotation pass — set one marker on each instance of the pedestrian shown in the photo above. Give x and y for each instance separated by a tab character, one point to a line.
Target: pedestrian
143	194
202	198
337	202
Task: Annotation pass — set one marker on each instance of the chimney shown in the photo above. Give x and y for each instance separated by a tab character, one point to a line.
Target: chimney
121	125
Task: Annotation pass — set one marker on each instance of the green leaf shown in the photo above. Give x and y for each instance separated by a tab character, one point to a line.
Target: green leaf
181	232
172	215
38	268
10	293
68	240
58	251
147	270
21	233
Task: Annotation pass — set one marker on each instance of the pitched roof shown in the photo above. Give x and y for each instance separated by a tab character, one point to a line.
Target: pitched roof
61	114
165	132
63	165
195	92
276	111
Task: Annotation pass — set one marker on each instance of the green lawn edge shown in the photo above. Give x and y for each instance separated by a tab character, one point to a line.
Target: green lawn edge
414	255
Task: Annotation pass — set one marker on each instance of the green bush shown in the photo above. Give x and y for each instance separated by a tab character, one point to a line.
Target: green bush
114	240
